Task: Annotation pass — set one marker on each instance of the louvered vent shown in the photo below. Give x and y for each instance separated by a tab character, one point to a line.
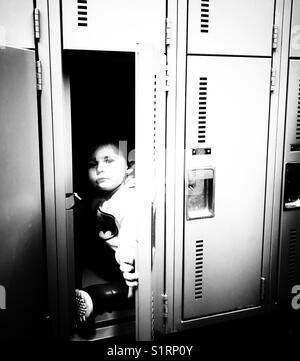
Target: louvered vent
199	270
202	109
82	14
292	257
204	16
298	115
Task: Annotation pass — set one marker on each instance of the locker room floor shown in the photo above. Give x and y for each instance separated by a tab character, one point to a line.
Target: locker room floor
272	334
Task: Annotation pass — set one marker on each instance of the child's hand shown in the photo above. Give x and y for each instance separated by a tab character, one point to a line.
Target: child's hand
131	277
126	258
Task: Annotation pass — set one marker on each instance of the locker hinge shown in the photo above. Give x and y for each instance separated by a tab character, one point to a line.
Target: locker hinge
168	31
167	78
37	23
273	78
262	288
39	82
275	36
165	311
152	317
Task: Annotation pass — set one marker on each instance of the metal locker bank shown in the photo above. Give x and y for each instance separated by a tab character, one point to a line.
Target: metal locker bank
289	230
204	96
231	103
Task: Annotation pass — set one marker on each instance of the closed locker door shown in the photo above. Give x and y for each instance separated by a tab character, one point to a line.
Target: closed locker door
227	116
22	274
289	271
295	30
240	27
17	12
115	25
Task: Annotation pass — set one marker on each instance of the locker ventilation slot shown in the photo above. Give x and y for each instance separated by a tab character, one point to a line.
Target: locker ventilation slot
82	15
298	115
199	269
202	109
204	16
292	257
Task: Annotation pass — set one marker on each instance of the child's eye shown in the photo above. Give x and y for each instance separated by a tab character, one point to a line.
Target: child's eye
92	164
108	160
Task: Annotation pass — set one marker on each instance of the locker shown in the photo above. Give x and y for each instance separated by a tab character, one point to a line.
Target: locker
232	27
293	101
22	268
223	243
95	92
17	12
93	112
289	274
78	102
113	25
295	30
204	127
226	134
289	255
140	86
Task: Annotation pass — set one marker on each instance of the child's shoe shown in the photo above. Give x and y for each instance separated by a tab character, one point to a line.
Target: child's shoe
84	305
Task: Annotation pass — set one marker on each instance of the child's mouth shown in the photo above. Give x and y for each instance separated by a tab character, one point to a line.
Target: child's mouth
100	180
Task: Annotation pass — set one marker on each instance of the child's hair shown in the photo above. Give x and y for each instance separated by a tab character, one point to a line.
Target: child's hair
124	147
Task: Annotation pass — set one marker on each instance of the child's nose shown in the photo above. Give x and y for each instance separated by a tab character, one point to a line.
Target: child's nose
99	168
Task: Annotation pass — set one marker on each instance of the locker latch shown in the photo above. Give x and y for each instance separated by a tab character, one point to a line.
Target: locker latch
71	200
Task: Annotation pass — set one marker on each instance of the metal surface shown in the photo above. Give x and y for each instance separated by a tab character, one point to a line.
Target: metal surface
235	27
149	114
159	153
275	155
20	13
289	272
289	261
48	173
293	102
232	240
22	270
172	166
295	30
120	330
37	24
113	25
273	176
175	245
64	256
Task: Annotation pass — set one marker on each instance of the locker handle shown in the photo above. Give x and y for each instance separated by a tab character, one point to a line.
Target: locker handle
200	202
291	199
292	205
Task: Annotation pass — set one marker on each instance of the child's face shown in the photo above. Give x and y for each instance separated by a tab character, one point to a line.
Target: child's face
107	168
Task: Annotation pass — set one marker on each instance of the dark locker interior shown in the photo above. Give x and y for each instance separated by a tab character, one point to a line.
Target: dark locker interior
102	91
102	102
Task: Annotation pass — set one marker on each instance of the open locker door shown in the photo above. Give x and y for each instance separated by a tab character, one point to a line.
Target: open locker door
150	183
22	273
